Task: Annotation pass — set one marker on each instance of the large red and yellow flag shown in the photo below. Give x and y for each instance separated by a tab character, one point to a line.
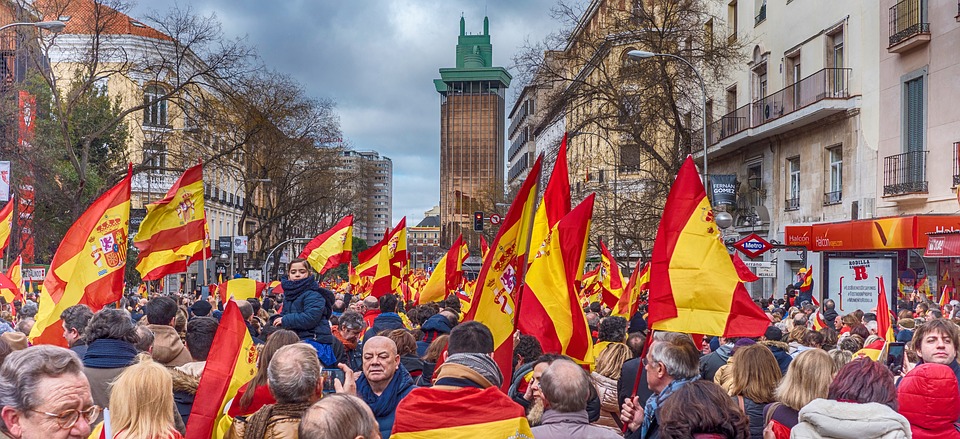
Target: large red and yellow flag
174	234
367	260
447	275
549	308
392	261
500	277
88	266
694	287
630	299
231	365
241	288
884	325
6	225
556	199
15	275
610	277
487	413
331	248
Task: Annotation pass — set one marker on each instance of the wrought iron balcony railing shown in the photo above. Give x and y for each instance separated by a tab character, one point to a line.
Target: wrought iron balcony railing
905	173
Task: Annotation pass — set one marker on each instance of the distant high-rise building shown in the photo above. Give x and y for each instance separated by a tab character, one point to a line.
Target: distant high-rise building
376	216
472	118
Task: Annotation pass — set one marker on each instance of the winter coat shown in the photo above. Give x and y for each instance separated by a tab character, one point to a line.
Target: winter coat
711	362
607	392
826	418
184	390
754	412
928	397
100	380
168	349
413	364
556	425
724	376
781	351
384	321
307	314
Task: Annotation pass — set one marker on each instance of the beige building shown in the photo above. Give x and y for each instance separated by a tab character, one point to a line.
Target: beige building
423	241
375	215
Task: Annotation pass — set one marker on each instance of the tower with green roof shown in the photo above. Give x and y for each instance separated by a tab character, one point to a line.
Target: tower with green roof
472	115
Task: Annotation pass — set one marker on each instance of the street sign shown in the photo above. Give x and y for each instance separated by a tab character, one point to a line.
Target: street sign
223	243
34	273
495	218
753	245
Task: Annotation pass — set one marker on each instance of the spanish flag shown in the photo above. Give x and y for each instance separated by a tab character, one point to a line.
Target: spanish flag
610	277
483	247
694	286
549	306
15	276
946	296
6	224
231	365
807	281
447	275
630	299
556	199
88	266
367	260
466	413
331	248
501	274
241	288
884	326
174	234
392	261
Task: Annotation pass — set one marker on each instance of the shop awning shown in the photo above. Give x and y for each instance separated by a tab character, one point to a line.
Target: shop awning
891	233
943	245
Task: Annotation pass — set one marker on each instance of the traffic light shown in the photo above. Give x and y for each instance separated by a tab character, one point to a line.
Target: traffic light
478	221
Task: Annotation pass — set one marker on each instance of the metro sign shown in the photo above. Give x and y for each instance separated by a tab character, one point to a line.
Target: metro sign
753	245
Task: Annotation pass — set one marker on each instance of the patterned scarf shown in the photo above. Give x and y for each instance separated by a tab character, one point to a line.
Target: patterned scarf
653	403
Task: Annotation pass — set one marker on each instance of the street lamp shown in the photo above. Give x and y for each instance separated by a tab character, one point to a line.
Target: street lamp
236	224
52	26
641	54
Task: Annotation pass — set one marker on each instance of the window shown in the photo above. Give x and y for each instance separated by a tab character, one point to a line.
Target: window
834	190
155	113
794	76
732	99
838	85
708	34
155	154
913	108
732	21
793	186
760	6
755	182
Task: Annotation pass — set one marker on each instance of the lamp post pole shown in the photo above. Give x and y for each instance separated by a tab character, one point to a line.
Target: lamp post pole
640	54
52	26
266	277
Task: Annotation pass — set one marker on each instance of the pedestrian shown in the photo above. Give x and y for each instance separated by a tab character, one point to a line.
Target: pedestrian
168	349
929	398
256	393
610	330
808	377
709	364
186	378
526	351
565	387
407	349
371	309
44	395
348	330
388	319
755	376
604	378
339	416
385	382
306	311
111	339
141	402
432	358
861	403
435	326
937	341
75	320
293	376
702	409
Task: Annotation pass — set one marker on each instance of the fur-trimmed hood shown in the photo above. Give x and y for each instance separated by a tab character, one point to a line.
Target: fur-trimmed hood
776	344
184	382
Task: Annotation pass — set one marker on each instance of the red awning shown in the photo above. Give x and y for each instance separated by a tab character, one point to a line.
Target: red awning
876	234
943	245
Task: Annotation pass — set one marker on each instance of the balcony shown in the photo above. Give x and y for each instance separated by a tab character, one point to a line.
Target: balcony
791	204
905	174
761	16
823	93
831	198
908	26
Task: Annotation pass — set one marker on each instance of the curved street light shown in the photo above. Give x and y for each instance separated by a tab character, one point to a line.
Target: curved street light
55	26
642	54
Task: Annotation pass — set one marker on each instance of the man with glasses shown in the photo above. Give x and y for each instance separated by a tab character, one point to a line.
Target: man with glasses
44	394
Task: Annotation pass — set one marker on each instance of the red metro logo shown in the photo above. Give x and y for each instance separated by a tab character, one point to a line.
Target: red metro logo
753	245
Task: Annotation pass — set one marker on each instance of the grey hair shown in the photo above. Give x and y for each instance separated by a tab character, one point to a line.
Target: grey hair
22	371
565	386
293	373
351	320
677	353
339	416
146	336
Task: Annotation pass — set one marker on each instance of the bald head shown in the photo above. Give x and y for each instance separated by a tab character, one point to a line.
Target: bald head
565	386
380	344
380	362
371	303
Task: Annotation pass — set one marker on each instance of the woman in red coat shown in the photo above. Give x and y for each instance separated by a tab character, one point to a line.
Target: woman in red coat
930	400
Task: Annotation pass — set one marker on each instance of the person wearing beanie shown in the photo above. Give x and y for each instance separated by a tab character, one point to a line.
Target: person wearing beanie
465	393
773	340
201	308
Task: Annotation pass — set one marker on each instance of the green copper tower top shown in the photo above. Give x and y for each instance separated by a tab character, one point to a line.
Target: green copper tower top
474	60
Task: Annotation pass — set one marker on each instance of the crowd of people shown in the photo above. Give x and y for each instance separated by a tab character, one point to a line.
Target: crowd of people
331	365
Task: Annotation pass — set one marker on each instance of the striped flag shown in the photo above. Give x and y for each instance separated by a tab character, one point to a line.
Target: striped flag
240	289
694	286
556	199
611	278
174	234
330	248
88	266
391	261
447	275
629	300
231	365
465	413
6	224
884	325
15	275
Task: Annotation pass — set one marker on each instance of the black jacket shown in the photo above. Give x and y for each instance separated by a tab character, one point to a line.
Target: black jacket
384	321
628	376
710	363
307	314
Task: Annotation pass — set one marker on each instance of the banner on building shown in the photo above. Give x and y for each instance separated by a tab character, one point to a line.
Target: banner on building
4	182
26	120
240	245
851	279
723	189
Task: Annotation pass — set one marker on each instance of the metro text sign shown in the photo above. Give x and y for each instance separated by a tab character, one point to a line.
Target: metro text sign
753	245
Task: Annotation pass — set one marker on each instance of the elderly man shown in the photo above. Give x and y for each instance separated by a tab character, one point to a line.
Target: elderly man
672	362
565	388
371	310
384	383
293	377
44	395
348	331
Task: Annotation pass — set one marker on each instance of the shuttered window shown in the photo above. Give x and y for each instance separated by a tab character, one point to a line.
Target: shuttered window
913	115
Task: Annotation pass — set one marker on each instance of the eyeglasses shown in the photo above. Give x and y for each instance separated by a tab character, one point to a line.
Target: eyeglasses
69	417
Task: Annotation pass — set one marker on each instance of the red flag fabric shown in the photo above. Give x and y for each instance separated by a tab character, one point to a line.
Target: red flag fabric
884	325
742	270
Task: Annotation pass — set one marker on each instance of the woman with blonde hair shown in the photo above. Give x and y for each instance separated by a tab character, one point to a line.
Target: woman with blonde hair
756	374
604	378
339	416
141	402
808	378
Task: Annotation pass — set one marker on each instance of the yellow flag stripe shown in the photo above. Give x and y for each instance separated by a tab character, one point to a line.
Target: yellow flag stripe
168	216
507	428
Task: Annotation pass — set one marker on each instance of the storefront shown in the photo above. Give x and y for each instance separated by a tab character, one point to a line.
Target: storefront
855	255
945	248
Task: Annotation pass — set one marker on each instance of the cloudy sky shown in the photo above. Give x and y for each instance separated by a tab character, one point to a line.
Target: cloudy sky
377	59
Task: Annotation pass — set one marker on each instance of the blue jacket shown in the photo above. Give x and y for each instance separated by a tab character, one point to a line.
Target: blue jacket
432	328
384	406
307	314
383	322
